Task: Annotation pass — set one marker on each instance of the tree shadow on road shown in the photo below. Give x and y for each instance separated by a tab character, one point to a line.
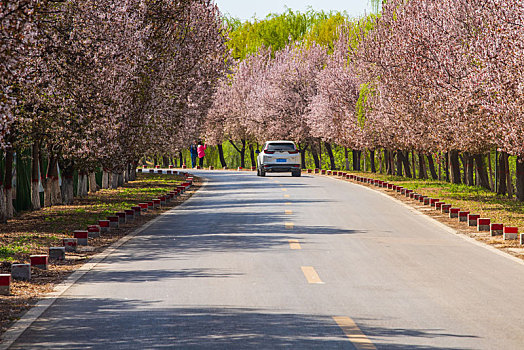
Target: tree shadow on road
127	324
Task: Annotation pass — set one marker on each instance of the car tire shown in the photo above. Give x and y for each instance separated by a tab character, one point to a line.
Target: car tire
296	173
262	172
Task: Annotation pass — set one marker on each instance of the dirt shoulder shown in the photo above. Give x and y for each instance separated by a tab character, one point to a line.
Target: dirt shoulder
34	232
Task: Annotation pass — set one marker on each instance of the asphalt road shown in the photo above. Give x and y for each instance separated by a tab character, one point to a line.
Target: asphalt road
282	262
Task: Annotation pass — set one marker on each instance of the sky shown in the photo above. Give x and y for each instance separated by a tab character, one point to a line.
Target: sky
245	9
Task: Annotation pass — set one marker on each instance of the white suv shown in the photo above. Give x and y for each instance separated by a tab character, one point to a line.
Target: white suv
278	156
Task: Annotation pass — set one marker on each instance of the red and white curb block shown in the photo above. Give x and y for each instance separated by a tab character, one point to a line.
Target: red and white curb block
104	226
70	244
113	221
40	261
81	236
5	284
496	229
483	224
473	220
510	232
93	231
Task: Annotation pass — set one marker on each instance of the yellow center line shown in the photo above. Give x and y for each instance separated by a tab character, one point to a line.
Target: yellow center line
293	244
284	189
311	275
355	335
289	225
286	196
287	203
288	212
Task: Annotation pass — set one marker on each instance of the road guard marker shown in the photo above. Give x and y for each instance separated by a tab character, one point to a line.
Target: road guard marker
293	244
355	335
311	275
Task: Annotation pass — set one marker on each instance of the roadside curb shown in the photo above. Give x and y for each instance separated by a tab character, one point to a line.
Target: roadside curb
31	315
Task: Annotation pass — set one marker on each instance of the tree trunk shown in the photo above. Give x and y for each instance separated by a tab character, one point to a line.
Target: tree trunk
68	185
221	156
181	156
405	161
330	155
446	167
422	174
82	184
454	167
165	161
242	152
380	161
252	156
389	171
356	160
431	164
465	166
105	179
49	181
120	179
399	163
491	182
413	164
114	180
35	177
314	154
502	189
8	182
469	160
372	161
520	179
132	172
93	187
509	182
346	158
482	173
303	157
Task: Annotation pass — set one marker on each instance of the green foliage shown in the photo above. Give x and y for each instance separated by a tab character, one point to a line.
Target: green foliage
8	251
278	30
366	91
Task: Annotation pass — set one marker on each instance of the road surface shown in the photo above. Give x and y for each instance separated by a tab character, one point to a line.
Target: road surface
283	262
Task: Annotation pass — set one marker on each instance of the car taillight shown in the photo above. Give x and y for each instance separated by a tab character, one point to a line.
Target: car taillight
268	152
293	152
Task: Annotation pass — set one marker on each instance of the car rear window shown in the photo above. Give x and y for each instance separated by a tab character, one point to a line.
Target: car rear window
280	147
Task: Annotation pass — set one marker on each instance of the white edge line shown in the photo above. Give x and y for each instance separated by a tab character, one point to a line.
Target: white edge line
31	315
440	224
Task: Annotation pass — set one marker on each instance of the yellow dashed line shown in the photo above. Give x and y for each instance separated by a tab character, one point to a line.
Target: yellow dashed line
287	203
311	275
286	196
289	225
288	212
355	335
284	189
293	244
